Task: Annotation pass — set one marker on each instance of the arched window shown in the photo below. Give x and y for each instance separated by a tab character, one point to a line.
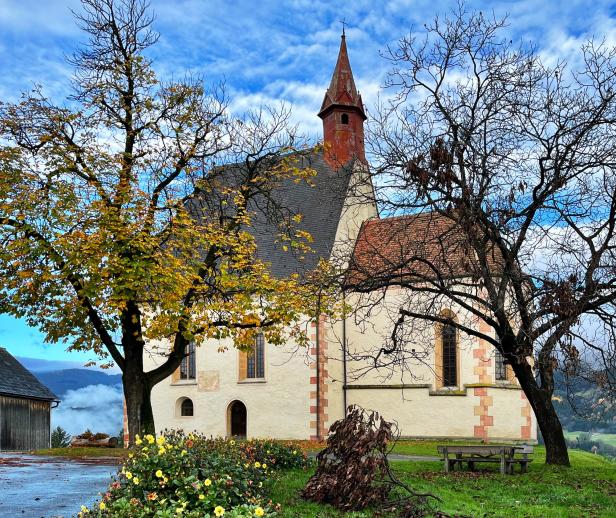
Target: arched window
344	118
256	367
188	367
186	408
252	362
449	345
500	367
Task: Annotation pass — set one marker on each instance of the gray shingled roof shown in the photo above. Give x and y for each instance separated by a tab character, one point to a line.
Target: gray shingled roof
320	205
16	380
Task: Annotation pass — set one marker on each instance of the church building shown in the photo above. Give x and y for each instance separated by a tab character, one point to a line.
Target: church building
461	388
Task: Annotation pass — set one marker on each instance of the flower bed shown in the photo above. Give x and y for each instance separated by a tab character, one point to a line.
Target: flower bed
193	476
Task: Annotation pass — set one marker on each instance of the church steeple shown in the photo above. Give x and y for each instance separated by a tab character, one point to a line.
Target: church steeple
343	114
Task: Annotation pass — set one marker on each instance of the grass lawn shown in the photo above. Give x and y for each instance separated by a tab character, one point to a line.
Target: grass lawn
82	452
587	489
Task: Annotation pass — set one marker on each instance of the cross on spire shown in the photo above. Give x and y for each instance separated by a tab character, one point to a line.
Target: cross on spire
343	22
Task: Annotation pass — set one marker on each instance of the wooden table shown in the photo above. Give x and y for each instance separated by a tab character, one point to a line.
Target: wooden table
504	454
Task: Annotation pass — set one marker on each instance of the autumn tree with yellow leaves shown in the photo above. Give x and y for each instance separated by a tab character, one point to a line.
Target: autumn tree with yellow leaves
122	221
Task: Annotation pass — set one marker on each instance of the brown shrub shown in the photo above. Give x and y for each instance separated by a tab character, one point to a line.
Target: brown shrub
352	469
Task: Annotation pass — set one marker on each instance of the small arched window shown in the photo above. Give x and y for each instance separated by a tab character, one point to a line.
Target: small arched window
186	408
450	355
345	118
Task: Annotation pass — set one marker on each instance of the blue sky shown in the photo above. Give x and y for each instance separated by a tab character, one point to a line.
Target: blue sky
265	51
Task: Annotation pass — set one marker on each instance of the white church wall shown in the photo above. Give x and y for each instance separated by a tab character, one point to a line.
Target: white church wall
276	407
478	408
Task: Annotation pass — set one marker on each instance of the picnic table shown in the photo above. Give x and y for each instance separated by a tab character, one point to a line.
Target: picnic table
503	454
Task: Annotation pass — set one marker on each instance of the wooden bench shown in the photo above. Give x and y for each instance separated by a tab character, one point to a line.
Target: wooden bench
505	455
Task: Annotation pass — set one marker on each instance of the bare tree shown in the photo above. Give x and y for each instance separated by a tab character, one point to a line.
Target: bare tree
510	163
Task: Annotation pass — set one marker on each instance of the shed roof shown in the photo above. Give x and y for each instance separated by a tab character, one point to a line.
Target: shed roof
16	380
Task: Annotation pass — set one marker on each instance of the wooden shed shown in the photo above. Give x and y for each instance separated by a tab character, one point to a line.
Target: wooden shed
25	407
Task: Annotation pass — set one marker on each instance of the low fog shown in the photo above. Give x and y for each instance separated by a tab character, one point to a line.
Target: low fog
95	407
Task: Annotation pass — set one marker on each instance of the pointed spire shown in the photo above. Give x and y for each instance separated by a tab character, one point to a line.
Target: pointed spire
342	90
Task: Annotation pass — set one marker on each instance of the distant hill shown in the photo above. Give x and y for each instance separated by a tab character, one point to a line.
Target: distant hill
60	381
592	409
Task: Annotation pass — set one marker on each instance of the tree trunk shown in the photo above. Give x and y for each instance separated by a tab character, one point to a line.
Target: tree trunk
137	384
137	392
547	418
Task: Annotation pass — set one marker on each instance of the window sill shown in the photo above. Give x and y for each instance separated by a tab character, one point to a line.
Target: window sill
252	380
447	391
501	384
184	382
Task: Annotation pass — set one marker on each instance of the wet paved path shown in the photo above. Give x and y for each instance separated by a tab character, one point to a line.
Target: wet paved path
50	487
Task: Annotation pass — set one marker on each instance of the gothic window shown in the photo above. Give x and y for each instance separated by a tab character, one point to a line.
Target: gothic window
188	367
500	368
186	408
345	118
255	367
450	355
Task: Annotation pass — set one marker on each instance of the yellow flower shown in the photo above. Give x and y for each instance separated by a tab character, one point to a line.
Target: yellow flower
102	506
161	450
160	440
257	464
232	442
264	466
259	511
159	473
219	510
184	452
294	452
84	509
136	481
129	475
131	455
138	441
201	497
149	438
207	482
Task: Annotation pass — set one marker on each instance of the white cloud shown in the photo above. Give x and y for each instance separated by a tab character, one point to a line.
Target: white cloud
98	408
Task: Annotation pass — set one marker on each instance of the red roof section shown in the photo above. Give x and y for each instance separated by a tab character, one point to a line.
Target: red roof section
419	247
